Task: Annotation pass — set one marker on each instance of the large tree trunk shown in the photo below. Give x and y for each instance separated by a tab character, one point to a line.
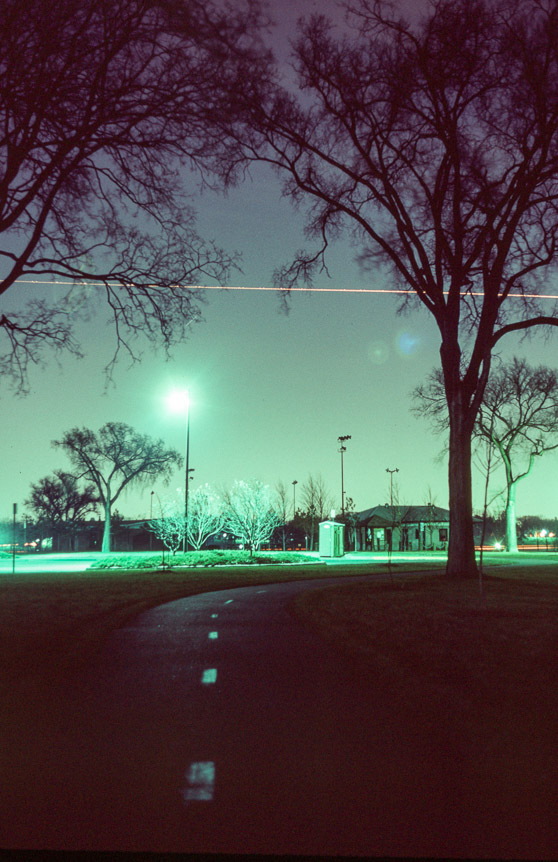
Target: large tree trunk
511	521
461	552
106	531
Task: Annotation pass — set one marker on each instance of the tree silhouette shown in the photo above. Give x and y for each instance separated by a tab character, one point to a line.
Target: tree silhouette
518	419
519	416
435	146
103	103
58	503
113	459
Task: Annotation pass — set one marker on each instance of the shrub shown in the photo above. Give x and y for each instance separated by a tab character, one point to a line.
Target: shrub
197	558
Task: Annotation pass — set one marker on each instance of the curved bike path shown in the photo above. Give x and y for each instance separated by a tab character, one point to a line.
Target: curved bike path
220	724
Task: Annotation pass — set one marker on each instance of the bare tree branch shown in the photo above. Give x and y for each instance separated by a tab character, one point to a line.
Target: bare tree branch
106	107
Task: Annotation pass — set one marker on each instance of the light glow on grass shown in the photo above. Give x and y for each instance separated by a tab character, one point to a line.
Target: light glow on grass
200	780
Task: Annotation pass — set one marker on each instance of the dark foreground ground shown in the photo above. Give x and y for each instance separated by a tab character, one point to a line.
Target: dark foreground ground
372	719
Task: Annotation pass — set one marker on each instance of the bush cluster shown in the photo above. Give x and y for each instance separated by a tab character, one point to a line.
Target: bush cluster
197	558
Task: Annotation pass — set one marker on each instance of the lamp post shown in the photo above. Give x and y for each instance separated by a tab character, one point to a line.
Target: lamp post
342	449
295	483
187	480
14	539
178	402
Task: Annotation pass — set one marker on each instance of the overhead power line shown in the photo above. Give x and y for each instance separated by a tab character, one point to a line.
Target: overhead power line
373	290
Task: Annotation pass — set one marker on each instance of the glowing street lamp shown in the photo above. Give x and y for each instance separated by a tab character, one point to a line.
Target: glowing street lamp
179	402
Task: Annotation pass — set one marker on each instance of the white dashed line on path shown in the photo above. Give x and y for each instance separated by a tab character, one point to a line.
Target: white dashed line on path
214	616
229	601
200	781
209	676
213	636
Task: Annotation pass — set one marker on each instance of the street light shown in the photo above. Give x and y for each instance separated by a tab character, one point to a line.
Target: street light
179	401
342	449
295	483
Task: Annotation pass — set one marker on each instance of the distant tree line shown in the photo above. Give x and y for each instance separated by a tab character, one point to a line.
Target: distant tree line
516	424
105	463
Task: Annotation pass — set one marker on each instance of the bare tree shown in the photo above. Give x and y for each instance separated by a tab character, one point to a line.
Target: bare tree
519	417
310	506
103	104
317	502
282	507
429	504
57	503
171	526
436	146
205	515
351	521
324	498
115	458
249	513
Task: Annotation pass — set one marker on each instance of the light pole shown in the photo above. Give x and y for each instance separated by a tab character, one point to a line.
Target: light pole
391	472
295	483
342	449
187	480
178	402
390	546
14	539
150	522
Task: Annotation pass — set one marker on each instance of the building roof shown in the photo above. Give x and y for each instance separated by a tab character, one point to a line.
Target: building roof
388	516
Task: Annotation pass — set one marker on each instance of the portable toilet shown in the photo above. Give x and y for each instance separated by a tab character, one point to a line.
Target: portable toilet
331	539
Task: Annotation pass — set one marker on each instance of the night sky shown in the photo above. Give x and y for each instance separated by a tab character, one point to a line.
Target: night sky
271	392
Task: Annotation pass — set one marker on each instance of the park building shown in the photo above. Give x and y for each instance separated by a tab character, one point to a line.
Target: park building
402	528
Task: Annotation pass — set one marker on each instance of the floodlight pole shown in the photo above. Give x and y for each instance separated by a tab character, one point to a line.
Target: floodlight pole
185	539
295	483
150	522
391	472
14	539
342	449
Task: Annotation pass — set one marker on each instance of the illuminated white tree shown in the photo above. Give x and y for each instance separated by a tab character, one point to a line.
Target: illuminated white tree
170	527
249	512
205	516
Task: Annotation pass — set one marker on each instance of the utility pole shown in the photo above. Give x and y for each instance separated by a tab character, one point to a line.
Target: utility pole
150	521
390	546
391	472
185	540
14	539
342	449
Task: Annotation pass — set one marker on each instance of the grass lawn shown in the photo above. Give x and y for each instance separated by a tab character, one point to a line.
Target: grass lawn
470	688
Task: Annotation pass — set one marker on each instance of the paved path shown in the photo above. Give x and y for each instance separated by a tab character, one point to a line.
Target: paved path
219	724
